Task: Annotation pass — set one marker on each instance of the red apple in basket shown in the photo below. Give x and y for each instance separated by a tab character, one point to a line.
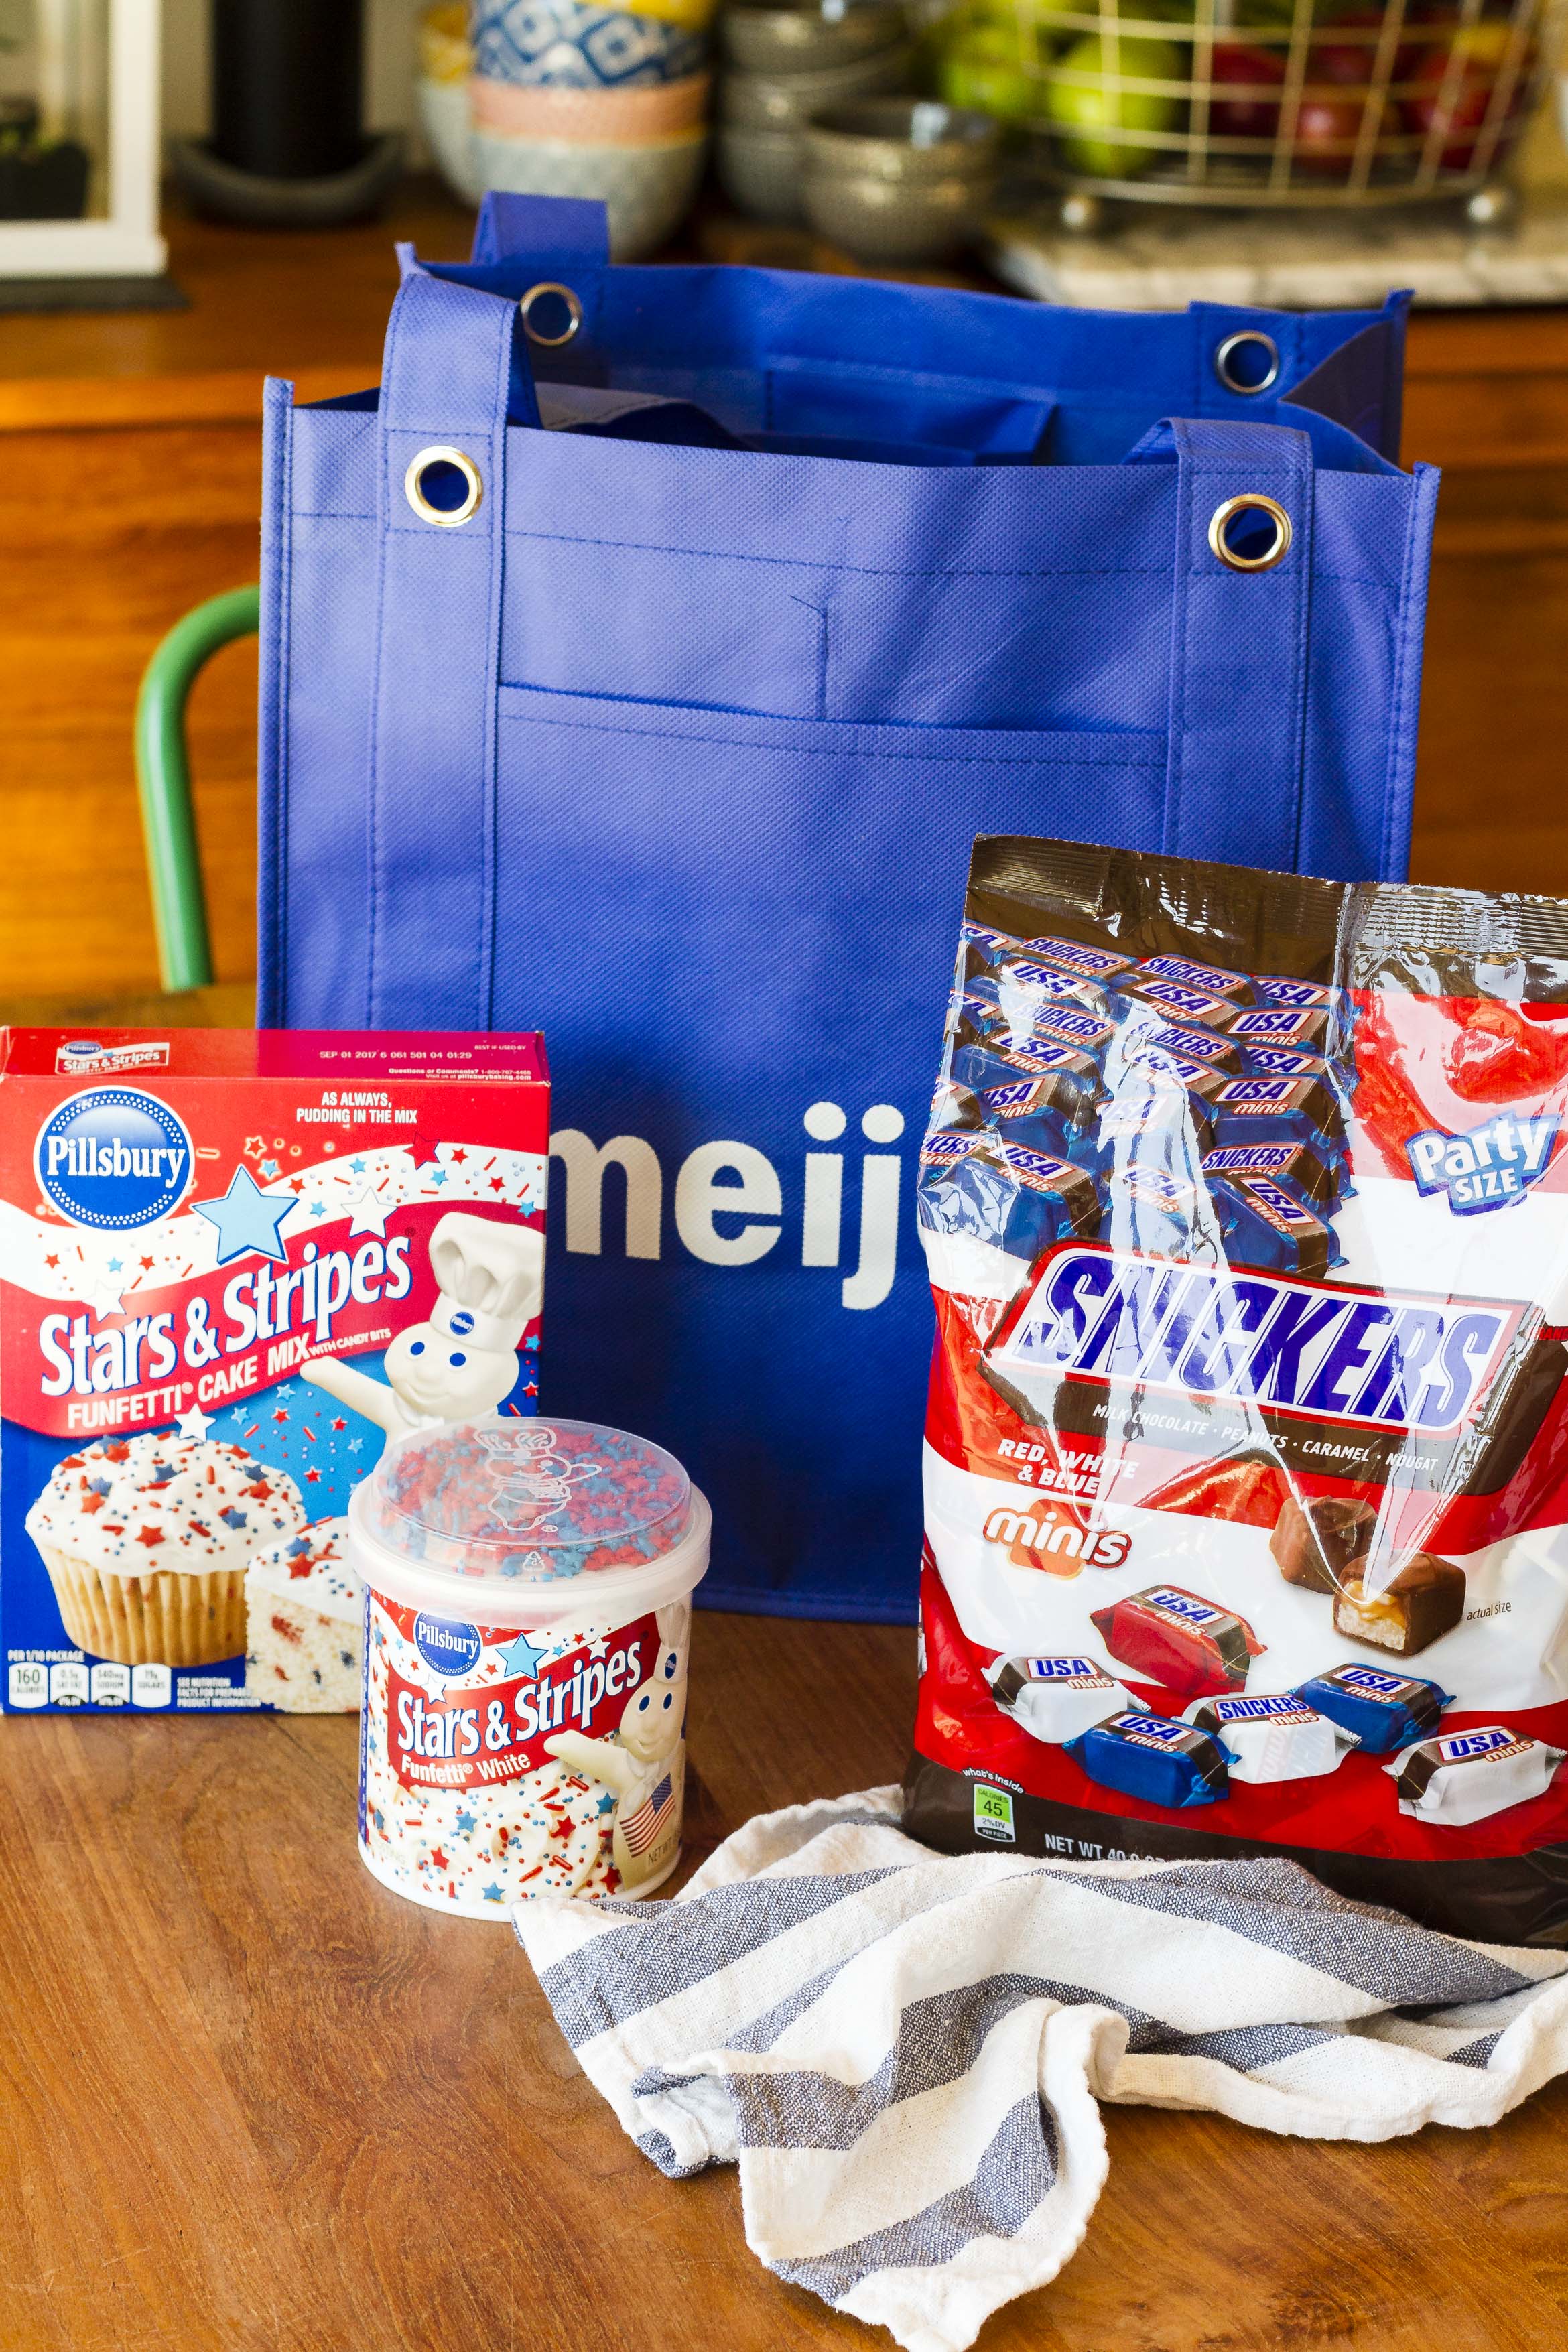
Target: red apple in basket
1481	50
1327	129
1253	73
1348	64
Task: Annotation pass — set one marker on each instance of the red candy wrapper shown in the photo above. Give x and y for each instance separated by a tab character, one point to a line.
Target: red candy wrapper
1179	1445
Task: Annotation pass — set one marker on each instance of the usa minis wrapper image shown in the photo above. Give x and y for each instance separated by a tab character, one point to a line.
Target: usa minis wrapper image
233	1265
528	1621
1248	1411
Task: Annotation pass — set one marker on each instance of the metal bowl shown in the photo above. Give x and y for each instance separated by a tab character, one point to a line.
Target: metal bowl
760	36
899	179
759	171
786	101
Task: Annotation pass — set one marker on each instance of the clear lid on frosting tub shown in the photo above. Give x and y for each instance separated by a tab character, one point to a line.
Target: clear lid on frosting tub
553	1514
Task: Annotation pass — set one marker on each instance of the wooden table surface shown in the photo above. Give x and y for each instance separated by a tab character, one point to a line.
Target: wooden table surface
254	2101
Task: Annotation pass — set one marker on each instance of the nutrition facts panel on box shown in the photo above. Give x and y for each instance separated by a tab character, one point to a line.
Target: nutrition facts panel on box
28	1683
51	1681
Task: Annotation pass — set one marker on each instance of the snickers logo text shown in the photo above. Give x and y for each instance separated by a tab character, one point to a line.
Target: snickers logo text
1265	1340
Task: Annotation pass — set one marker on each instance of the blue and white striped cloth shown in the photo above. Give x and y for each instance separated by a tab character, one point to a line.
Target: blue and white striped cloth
904	2052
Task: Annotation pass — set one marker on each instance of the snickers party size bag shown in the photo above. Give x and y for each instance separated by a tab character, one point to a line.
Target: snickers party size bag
640	663
1246	1205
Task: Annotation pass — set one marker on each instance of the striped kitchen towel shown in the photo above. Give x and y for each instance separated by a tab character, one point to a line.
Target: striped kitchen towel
904	2051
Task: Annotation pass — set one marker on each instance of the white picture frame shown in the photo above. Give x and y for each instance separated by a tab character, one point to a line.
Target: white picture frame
125	241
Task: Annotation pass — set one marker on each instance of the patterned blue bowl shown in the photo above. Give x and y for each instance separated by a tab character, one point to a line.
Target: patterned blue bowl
563	45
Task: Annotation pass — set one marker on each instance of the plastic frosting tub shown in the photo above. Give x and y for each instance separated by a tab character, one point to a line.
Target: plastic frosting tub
527	1627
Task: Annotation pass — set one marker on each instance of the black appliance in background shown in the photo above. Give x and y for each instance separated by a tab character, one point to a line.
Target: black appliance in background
287	144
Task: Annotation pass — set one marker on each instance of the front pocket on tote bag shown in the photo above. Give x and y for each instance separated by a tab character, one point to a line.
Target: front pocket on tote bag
712	818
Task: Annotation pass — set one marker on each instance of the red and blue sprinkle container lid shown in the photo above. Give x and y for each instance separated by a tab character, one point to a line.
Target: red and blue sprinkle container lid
548	1517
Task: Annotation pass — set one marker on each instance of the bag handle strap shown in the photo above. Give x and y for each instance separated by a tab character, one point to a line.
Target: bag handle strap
568	229
452	370
1240	631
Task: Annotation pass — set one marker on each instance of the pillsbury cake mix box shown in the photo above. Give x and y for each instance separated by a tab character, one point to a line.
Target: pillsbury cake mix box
234	1264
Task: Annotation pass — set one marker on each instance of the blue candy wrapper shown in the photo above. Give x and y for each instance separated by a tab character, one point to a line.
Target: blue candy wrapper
1384	1711
985	1188
1155	1757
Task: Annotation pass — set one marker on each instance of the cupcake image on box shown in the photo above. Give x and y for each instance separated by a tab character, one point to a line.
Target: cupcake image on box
147	1539
306	1619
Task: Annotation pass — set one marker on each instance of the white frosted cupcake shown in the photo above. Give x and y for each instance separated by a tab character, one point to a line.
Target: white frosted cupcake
306	1609
147	1540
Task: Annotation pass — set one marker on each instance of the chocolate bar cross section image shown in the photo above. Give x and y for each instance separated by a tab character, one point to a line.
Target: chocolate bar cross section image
1425	1601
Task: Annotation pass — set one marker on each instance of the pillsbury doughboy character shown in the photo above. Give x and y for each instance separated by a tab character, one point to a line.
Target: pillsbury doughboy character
462	1363
644	1766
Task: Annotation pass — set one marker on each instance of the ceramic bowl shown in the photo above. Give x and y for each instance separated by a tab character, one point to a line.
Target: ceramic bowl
565	44
787	102
760	36
899	179
443	114
648	189
443	52
605	118
759	171
691	16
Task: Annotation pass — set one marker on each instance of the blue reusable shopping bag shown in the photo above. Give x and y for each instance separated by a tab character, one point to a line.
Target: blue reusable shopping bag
677	751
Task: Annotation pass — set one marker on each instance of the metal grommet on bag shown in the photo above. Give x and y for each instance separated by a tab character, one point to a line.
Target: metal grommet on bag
573	315
1237	357
438	454
1250	502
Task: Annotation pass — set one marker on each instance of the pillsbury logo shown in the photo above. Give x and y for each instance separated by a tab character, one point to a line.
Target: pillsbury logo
1486	1166
459	1323
113	1158
1272	1341
447	1647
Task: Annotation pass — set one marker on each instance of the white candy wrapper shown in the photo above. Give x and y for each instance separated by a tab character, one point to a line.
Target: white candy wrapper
1467	1776
1054	1699
1279	1738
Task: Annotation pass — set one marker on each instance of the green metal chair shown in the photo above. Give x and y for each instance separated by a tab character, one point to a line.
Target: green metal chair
164	782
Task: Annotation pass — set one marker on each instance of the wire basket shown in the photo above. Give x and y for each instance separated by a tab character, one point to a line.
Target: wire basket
1312	103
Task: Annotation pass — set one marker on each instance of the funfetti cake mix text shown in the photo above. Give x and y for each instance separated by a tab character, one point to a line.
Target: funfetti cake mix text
232	1265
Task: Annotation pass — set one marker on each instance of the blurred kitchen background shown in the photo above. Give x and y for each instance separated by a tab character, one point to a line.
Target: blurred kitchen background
181	213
